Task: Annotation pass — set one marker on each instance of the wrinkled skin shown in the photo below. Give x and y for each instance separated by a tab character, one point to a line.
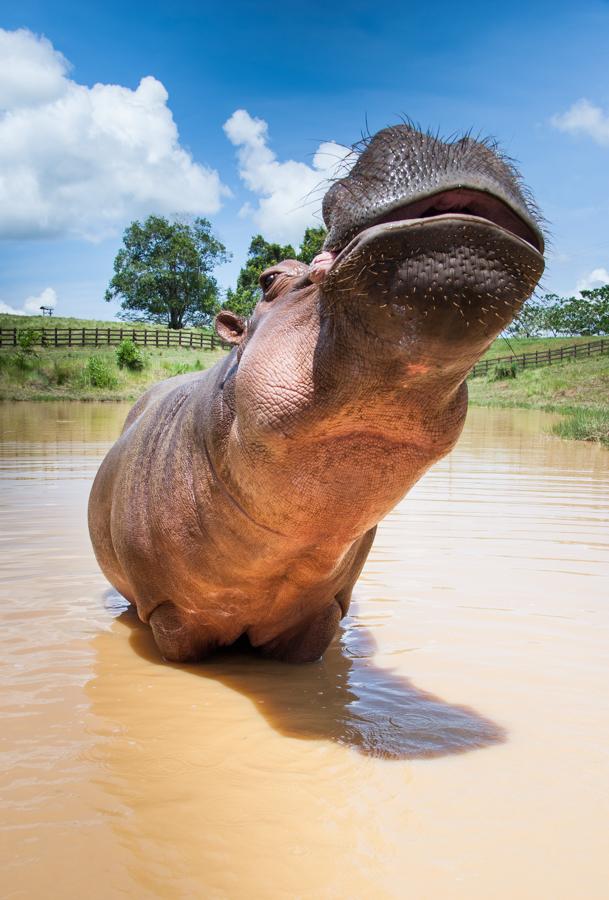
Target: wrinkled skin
243	501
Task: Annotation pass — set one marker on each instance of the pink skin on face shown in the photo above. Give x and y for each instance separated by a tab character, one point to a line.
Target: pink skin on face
320	266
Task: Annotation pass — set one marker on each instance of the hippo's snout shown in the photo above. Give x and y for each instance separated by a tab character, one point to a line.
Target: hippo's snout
440	237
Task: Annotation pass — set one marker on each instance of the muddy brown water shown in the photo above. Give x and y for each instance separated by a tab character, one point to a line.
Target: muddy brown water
452	744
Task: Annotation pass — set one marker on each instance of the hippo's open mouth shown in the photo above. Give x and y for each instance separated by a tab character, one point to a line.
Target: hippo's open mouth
452	205
464	202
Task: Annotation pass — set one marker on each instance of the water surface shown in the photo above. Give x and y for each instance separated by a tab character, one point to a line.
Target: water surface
453	742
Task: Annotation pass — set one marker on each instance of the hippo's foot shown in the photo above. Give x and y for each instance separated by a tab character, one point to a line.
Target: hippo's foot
175	638
179	641
309	641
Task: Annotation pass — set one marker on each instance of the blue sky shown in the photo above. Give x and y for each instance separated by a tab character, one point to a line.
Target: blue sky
78	162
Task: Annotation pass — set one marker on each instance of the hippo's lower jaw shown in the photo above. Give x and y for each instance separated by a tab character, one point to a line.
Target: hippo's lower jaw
454	279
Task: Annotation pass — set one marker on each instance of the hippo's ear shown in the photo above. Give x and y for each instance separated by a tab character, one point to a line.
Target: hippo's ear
230	327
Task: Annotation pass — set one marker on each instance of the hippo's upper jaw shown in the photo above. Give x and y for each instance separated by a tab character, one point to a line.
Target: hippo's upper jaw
433	239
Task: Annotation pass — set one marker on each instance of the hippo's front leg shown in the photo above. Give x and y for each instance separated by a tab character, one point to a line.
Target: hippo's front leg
309	641
178	639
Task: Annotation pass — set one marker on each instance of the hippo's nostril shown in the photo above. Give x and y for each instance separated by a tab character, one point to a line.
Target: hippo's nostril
321	265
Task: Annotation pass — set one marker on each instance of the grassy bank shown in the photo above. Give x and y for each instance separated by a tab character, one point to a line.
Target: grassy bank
91	374
88	373
577	388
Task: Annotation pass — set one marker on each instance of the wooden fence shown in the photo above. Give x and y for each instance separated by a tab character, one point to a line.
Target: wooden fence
109	337
543	357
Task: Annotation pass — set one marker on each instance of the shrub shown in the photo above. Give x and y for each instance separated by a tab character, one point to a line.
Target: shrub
98	373
27	338
128	356
24	361
504	370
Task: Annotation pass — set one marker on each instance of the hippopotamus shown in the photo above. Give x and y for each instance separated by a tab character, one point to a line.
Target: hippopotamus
241	502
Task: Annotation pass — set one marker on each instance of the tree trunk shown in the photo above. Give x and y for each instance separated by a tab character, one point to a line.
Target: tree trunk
175	318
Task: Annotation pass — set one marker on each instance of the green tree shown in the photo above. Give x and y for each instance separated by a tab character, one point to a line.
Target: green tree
553	315
530	321
584	315
589	314
599	300
163	272
312	243
261	255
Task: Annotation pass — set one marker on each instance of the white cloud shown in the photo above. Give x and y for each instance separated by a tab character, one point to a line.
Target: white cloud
594	279
5	308
584	118
31	305
82	161
32	71
48	298
289	192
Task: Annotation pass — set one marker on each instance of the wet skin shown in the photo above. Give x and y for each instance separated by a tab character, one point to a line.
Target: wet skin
243	501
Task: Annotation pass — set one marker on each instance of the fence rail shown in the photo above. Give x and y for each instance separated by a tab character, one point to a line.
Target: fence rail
109	337
543	357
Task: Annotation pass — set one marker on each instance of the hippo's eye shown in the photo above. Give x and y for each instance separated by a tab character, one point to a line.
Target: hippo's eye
267	280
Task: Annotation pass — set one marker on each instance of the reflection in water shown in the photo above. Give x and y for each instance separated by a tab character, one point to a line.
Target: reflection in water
344	698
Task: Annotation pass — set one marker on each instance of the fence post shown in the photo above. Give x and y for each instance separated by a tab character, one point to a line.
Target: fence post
157	337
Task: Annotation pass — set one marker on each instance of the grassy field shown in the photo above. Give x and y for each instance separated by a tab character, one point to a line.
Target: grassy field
577	388
88	373
91	374
514	346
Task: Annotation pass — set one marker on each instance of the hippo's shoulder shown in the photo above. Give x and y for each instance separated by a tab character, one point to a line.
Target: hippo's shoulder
171	392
